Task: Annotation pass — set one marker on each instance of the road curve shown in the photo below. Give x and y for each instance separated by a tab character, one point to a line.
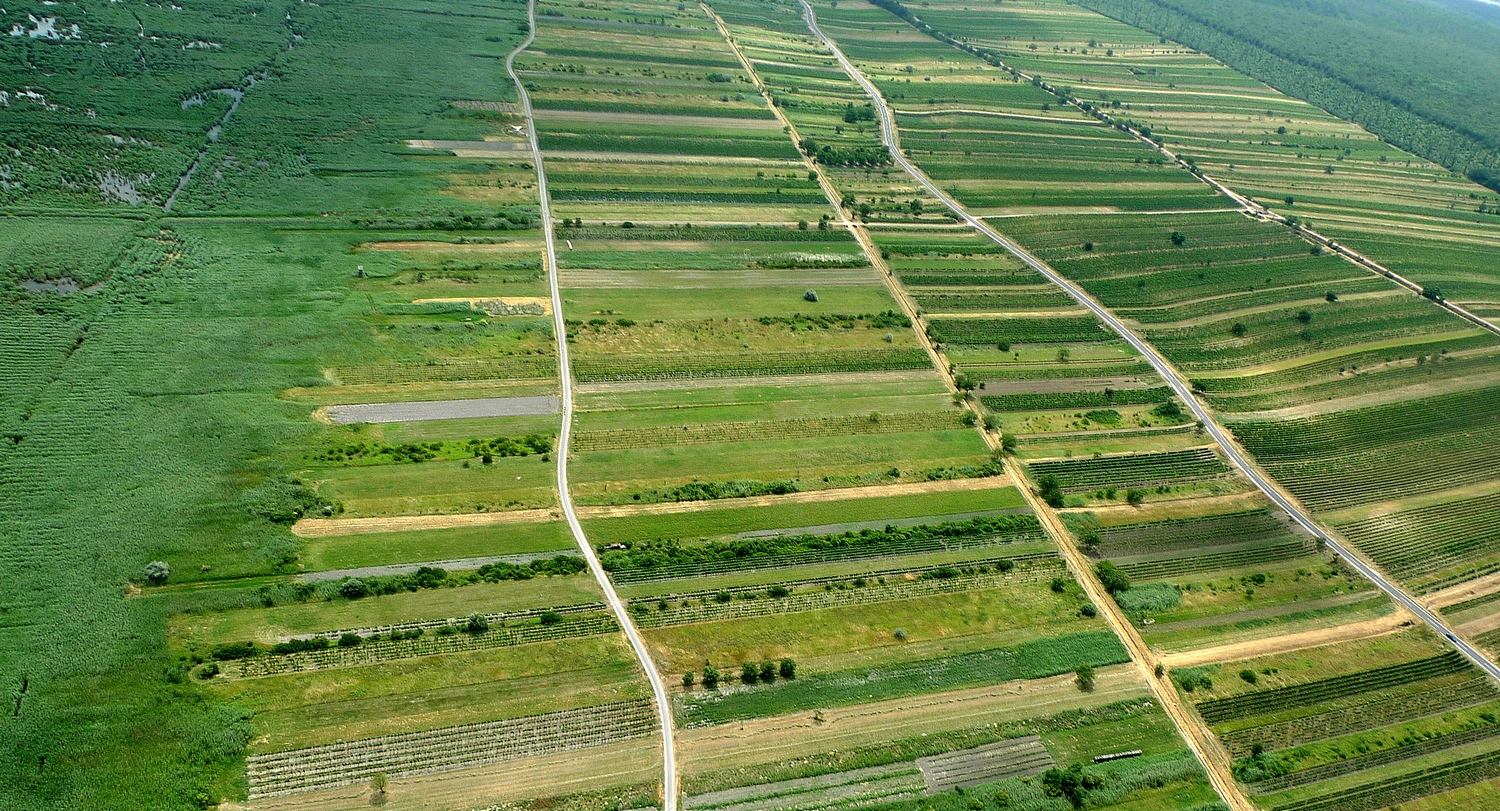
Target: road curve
663	706
1168	373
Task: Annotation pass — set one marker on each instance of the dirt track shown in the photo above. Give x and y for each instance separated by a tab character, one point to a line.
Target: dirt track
1380	626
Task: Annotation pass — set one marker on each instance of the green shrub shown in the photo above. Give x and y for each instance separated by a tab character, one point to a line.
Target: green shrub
1149	598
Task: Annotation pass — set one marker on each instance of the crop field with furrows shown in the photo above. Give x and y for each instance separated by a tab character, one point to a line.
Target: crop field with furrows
660	559
1396	433
1132	470
1376	733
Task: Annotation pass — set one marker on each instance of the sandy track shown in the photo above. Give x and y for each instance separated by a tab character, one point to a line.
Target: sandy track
1303	640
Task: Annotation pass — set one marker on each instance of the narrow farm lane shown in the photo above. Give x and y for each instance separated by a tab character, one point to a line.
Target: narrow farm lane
637	644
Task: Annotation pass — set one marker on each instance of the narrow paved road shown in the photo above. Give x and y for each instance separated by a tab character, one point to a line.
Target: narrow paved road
663	706
1166	370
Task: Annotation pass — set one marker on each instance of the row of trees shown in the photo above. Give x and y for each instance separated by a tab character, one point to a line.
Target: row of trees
750	673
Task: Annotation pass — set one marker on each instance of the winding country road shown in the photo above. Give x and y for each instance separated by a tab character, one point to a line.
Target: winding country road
1162	367
663	706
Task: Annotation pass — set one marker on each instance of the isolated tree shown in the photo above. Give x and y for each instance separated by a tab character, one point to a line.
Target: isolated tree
1135	497
157	572
811	295
749	673
1331	296
478	623
788	669
768	672
1009	443
1085	676
378	783
1050	490
1239	330
687	680
1178	239
710	676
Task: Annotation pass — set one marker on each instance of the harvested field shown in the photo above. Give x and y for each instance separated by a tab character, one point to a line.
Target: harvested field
511	780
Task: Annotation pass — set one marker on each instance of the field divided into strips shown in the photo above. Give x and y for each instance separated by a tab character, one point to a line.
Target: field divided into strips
719	363
943	270
1366	724
371	237
1234	301
1263	324
1285	340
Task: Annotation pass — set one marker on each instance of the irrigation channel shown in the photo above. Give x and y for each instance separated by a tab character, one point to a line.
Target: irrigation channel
663	707
1166	370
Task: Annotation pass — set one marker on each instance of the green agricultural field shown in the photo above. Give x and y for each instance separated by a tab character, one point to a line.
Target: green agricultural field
321	323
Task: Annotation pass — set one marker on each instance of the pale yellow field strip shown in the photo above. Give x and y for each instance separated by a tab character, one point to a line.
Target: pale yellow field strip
485	303
1380	626
1478	587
